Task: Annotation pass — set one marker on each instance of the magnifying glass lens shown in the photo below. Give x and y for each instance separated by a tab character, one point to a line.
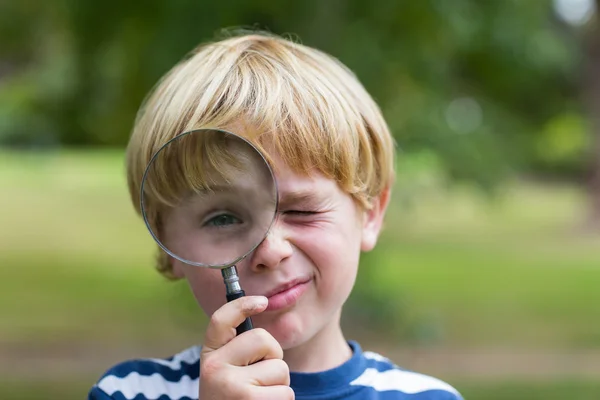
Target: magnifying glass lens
209	198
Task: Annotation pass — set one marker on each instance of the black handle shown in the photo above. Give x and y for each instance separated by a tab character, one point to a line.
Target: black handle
247	324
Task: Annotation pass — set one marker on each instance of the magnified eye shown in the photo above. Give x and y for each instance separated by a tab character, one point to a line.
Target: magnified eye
222	220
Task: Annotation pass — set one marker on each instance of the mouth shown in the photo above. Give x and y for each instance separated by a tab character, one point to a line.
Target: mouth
287	294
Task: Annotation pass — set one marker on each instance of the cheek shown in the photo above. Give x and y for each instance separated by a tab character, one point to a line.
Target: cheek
334	251
207	286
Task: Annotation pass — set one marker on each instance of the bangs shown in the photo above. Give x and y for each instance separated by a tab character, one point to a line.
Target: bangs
191	163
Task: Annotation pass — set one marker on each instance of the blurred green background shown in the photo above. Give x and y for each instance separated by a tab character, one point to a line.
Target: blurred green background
488	272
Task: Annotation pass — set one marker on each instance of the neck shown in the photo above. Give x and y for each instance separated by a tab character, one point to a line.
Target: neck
329	344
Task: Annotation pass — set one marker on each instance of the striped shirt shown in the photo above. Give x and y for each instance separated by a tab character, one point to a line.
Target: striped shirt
366	376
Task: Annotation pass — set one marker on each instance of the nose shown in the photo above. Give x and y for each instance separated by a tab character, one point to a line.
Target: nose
273	250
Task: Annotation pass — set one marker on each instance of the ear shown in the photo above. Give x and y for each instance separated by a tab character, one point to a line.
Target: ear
373	220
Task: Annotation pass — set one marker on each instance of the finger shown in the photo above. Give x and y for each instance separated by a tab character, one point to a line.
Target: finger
221	328
250	347
273	393
267	373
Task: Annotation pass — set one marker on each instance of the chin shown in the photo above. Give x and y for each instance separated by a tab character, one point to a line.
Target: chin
288	329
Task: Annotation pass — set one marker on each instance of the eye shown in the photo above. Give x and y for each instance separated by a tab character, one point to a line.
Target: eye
300	212
222	220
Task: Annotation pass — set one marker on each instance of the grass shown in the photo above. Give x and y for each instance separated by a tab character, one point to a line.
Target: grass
75	257
462	270
452	269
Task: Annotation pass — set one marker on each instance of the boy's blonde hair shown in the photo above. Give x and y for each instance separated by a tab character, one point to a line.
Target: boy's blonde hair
292	99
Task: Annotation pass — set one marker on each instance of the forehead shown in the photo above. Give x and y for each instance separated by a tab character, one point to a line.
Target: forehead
294	186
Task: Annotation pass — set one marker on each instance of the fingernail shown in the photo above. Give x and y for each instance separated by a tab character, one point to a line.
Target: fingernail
260	302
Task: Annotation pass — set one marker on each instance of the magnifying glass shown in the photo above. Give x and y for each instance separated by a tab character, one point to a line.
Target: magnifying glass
209	198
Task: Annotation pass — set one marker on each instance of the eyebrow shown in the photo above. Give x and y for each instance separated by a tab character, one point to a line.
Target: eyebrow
298	196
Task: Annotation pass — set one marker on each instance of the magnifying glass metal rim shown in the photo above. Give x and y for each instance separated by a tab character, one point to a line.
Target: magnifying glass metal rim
145	217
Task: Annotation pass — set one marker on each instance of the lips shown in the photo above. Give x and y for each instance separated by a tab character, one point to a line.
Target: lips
285	286
287	294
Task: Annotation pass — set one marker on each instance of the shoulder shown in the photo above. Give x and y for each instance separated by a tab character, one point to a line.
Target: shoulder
393	382
151	378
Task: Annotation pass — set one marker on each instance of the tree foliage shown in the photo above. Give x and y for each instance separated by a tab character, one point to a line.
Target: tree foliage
484	86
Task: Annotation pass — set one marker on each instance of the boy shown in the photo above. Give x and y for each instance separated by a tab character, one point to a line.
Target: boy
332	155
